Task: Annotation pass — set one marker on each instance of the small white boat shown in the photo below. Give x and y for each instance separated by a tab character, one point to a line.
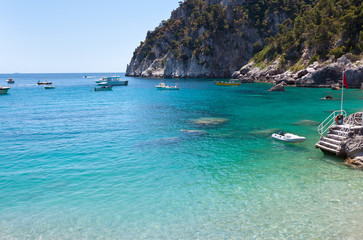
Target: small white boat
49	87
288	137
112	81
163	86
10	81
4	90
103	88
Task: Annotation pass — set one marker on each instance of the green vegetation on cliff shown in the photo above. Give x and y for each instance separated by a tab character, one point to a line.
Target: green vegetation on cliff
327	28
220	36
201	22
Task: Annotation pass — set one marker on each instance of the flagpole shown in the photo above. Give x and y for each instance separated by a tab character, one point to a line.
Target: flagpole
341	107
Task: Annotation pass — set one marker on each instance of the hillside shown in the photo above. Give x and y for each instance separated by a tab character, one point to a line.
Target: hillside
210	38
214	38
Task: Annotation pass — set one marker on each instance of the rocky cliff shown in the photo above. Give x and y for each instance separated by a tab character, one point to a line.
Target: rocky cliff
307	43
209	38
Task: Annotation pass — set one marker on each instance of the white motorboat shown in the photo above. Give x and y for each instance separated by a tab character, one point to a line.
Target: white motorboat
10	81
163	86
4	90
288	137
112	81
103	88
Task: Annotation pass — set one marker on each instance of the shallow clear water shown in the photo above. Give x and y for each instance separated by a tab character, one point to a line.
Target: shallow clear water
78	164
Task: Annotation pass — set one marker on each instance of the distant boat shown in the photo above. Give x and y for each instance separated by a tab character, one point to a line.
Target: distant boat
4	90
103	88
44	83
49	87
112	81
10	81
163	86
230	83
288	137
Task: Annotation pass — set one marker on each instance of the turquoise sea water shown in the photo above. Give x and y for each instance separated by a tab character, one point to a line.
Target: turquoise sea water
78	164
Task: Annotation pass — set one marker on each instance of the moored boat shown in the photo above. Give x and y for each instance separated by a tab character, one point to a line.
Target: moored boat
103	88
49	87
288	137
230	83
112	81
4	90
10	81
163	86
44	83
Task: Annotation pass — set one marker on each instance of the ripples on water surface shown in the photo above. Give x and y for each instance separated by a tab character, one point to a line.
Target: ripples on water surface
76	164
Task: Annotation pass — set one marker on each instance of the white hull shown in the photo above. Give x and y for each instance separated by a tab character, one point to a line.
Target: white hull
4	90
163	86
112	83
167	88
288	137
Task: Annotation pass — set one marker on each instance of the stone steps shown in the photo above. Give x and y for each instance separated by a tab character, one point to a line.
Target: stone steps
327	149
336	137
336	147
331	140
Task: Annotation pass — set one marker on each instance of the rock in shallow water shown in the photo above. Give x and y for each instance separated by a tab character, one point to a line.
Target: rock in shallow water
278	88
194	132
307	122
355	162
266	132
210	121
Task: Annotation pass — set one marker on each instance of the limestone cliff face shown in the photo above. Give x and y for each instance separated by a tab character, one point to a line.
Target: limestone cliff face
204	39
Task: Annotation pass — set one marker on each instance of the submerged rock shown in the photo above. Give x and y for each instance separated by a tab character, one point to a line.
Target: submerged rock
268	131
356	162
194	132
277	88
210	121
307	122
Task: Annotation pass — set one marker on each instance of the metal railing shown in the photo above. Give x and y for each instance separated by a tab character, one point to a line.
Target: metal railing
355	119
330	121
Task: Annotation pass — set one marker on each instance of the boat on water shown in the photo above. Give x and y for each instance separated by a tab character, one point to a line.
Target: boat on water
10	81
4	90
229	83
49	87
112	81
288	137
103	88
44	83
163	86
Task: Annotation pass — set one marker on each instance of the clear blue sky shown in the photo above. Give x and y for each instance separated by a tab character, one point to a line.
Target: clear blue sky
56	36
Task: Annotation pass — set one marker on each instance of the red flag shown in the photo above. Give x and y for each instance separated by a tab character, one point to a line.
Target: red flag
345	82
